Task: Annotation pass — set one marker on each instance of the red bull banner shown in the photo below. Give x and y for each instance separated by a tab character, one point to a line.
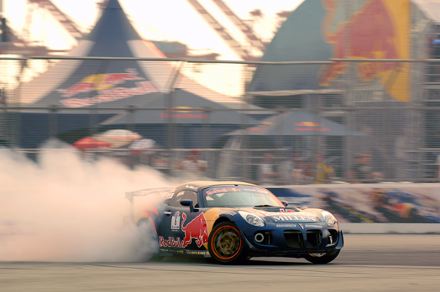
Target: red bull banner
369	29
184	112
106	87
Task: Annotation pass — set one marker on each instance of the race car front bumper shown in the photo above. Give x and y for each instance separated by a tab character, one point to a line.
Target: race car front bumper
294	241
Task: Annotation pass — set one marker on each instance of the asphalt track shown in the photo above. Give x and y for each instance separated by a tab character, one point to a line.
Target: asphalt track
368	263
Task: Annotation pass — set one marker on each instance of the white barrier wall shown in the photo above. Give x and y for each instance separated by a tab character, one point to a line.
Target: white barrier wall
372	208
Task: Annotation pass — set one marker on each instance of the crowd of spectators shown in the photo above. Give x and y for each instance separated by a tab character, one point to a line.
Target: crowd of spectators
271	169
295	170
318	170
192	165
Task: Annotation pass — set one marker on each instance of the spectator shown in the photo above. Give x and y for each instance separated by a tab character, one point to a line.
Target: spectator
192	165
324	172
291	171
2	96
285	170
266	169
362	170
306	167
298	176
160	162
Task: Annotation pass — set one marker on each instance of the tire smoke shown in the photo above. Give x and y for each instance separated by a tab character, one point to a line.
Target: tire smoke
63	208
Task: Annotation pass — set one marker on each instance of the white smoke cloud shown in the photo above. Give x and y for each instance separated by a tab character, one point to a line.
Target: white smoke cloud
64	208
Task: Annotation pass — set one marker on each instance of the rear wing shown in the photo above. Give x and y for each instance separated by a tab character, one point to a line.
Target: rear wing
157	194
162	192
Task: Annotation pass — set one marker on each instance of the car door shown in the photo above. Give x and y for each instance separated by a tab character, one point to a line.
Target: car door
180	228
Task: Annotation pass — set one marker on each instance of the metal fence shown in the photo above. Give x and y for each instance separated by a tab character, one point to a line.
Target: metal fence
288	122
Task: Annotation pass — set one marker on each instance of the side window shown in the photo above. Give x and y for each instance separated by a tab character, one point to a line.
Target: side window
184	195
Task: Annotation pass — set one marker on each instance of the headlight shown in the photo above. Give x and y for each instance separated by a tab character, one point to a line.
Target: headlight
329	219
251	218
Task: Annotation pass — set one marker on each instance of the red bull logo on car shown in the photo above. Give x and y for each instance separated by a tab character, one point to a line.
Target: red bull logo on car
376	29
108	88
195	230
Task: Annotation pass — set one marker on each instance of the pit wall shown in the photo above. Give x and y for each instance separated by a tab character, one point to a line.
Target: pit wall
372	208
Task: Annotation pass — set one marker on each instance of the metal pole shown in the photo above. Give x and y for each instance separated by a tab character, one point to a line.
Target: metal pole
170	117
16	140
53	121
349	102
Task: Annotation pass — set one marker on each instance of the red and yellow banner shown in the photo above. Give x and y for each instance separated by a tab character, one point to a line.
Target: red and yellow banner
374	29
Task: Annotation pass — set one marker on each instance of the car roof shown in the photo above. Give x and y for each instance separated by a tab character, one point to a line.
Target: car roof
200	184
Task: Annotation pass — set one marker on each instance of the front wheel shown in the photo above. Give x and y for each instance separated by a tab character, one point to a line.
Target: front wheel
226	245
322	258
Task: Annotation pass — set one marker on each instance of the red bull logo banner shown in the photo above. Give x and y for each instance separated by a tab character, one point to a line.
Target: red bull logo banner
310	127
107	87
184	112
370	29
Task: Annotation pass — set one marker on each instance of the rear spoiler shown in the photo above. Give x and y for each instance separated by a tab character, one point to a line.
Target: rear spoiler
159	193
147	192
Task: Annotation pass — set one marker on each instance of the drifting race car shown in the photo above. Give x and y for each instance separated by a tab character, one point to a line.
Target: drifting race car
233	221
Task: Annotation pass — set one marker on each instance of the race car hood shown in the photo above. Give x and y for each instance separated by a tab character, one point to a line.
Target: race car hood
277	215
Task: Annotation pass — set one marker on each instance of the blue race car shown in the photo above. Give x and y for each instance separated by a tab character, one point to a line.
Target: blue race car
233	221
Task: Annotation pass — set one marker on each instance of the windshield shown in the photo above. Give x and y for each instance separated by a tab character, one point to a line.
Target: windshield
240	196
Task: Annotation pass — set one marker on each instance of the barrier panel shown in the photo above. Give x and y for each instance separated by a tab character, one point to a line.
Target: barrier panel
372	208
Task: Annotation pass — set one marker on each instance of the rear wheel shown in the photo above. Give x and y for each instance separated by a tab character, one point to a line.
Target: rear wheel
149	245
226	245
322	258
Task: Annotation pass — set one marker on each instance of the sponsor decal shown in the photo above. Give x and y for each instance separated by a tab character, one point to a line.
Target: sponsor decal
286	225
222	189
219	190
314	226
171	242
175	221
197	252
195	229
294	217
107	87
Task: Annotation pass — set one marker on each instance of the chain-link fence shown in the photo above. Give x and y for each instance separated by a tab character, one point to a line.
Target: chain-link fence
269	122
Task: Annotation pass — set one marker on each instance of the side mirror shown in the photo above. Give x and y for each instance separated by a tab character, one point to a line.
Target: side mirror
285	203
188	203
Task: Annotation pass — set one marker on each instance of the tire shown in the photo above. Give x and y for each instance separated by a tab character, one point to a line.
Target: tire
323	259
148	241
233	250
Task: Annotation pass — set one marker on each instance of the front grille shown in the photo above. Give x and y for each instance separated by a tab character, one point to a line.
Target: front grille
314	238
294	238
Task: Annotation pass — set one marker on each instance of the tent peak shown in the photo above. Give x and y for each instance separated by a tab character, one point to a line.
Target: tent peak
113	26
112	4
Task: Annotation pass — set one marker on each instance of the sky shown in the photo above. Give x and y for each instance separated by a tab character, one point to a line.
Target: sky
172	20
166	20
